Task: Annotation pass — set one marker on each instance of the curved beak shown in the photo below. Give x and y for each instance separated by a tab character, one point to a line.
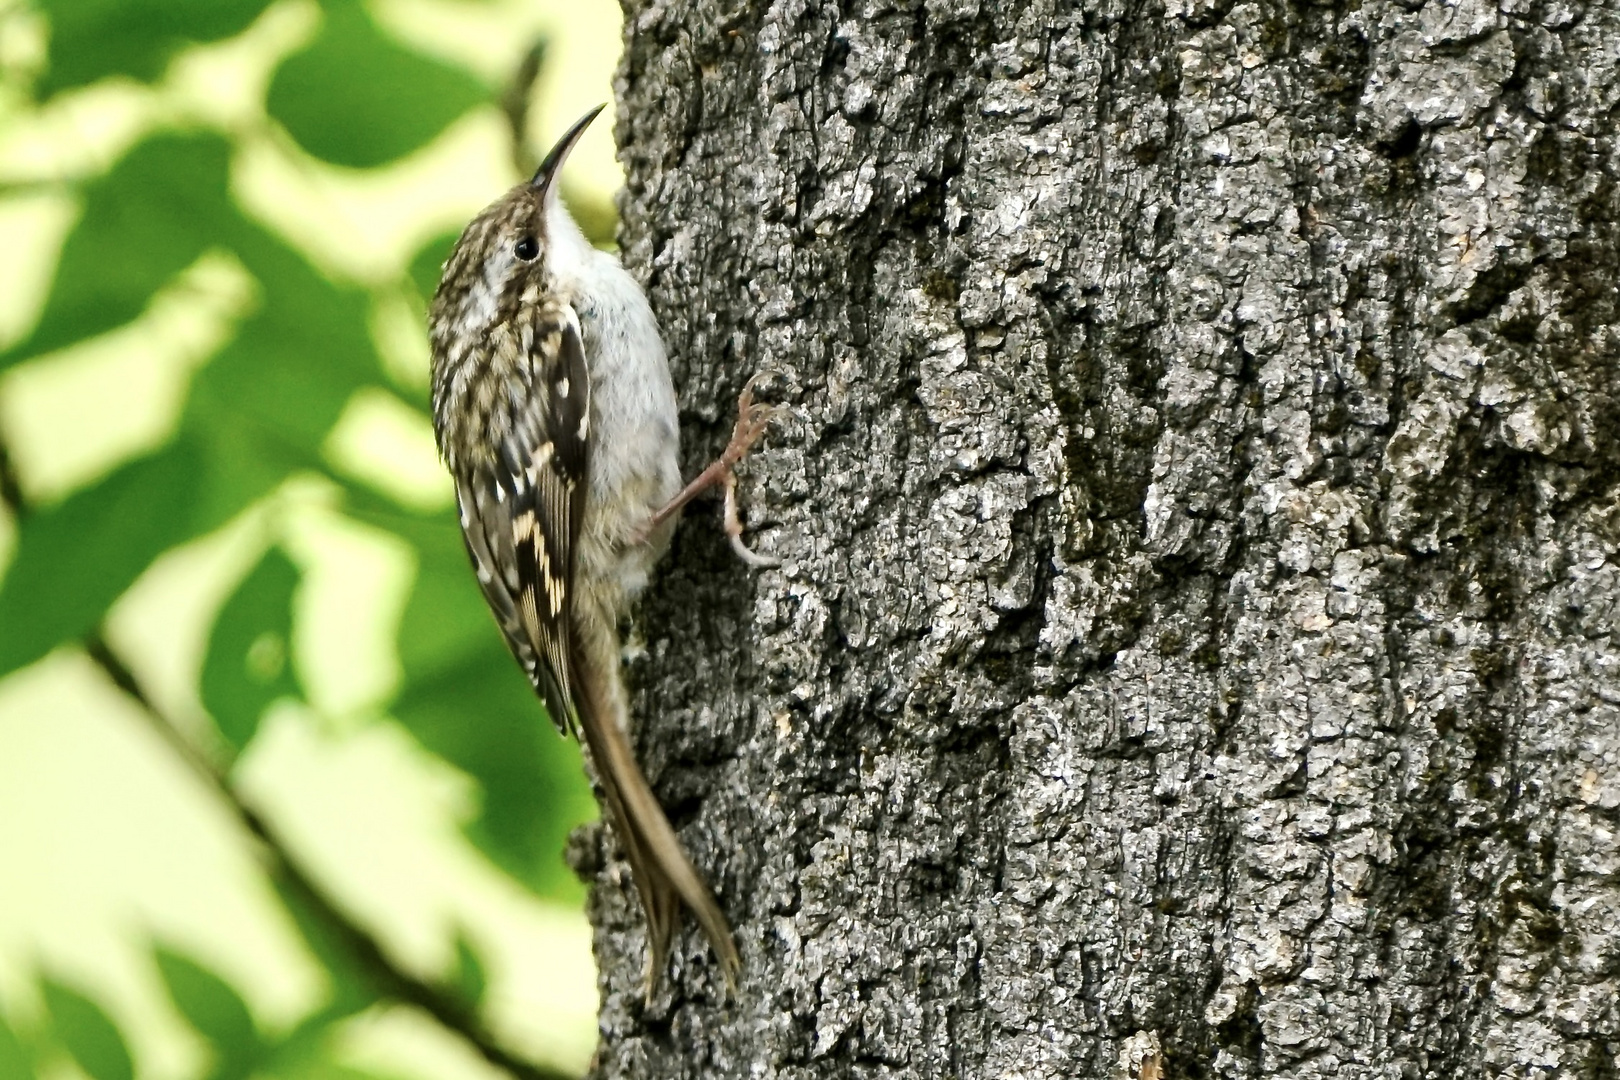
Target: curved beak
552	165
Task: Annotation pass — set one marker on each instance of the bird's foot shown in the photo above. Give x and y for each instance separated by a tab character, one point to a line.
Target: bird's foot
752	419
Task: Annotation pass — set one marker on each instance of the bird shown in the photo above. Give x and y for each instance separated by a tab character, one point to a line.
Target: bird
555	414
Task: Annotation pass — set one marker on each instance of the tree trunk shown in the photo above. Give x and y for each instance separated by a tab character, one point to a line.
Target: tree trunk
1198	512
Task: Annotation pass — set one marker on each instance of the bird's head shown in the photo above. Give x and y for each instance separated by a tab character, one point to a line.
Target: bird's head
513	248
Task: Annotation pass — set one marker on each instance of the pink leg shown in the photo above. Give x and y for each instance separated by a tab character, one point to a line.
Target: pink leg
752	420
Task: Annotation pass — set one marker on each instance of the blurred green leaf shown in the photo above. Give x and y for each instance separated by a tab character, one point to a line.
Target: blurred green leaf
428	263
445	619
87	1033
260	410
148	219
349	991
248	664
14	1059
482	717
216	1010
470	979
464	698
92	39
275	392
357	98
307	1045
74	559
243	462
312	1068
445	622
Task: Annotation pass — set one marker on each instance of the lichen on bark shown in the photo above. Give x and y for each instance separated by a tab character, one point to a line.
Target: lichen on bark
1197	510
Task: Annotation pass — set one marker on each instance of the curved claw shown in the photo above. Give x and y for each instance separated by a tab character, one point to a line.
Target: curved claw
753	558
734	531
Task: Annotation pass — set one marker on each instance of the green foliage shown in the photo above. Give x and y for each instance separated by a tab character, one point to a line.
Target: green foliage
248	664
294	365
465	699
482	717
86	1032
259	413
14	1058
470	980
218	1013
321	1069
356	98
91	39
348	991
444	623
73	560
149	218
427	264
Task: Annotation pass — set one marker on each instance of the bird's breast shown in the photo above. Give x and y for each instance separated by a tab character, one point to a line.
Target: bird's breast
635	434
635	442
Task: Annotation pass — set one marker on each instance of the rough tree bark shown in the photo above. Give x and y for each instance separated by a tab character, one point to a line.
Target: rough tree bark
1199	518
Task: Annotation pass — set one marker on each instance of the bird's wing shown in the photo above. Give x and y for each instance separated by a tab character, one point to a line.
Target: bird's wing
521	513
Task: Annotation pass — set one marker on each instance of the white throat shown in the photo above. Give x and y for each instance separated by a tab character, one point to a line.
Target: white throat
569	255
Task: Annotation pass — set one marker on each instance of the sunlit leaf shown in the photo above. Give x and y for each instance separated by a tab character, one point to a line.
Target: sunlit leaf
91	39
305	1050
465	698
260	410
14	1061
216	1010
249	664
356	97
243	461
87	1033
445	620
279	387
149	218
73	560
482	717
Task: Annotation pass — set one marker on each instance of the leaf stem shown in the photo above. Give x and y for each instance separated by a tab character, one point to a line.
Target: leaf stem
11	493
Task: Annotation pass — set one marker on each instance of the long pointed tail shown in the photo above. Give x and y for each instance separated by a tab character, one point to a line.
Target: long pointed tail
664	876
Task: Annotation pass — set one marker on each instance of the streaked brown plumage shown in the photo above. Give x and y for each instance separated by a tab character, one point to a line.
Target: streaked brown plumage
555	413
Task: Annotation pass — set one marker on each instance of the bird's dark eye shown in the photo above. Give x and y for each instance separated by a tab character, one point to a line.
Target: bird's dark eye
526	249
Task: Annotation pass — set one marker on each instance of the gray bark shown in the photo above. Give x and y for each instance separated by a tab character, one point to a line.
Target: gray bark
1197	623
